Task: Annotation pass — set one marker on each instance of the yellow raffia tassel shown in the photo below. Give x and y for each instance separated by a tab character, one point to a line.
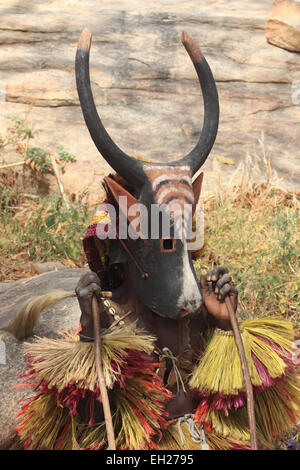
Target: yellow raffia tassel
47	426
217	442
131	435
276	410
233	428
137	407
172	440
42	422
132	430
60	362
220	368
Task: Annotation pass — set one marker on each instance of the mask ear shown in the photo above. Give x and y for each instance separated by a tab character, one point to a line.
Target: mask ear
118	191
197	185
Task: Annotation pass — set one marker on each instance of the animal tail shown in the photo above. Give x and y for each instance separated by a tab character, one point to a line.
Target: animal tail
29	314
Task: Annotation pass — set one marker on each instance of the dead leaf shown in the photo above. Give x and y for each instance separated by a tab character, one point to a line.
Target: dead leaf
225	160
21	275
20	148
289	286
21	253
69	263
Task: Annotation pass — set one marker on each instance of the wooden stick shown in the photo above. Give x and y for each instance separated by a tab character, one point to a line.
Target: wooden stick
12	164
248	384
58	180
103	390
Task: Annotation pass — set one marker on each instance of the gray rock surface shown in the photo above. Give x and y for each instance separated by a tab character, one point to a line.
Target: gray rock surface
144	84
48	266
64	314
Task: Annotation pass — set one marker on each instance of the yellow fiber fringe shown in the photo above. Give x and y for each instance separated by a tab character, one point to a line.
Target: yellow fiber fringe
275	412
63	362
60	362
220	367
220	371
172	440
51	427
138	407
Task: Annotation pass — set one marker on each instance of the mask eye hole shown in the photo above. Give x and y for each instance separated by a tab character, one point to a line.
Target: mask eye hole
167	244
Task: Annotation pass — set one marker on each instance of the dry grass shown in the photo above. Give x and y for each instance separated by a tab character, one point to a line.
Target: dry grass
253	229
36	228
254	233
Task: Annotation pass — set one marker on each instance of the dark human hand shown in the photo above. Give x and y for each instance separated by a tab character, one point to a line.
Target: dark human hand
88	285
216	285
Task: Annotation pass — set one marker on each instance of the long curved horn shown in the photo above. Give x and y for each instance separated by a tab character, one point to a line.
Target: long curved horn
126	166
200	152
122	163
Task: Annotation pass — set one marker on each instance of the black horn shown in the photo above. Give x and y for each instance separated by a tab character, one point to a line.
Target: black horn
200	152
126	166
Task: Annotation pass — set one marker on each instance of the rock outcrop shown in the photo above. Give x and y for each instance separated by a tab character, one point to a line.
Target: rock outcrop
144	84
64	314
283	26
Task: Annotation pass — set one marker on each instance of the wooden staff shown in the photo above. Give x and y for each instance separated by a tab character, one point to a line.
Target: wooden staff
248	384
101	381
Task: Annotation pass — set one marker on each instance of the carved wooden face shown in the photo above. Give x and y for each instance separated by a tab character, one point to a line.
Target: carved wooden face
170	288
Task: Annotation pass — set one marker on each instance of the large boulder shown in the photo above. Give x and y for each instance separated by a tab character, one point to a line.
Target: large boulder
144	84
283	25
64	314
